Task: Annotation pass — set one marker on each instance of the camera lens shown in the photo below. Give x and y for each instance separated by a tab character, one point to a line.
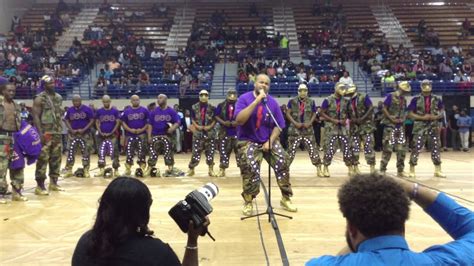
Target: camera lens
209	191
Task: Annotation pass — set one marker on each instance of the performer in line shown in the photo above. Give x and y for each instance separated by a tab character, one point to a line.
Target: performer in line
332	109
163	123
394	111
360	112
107	123
47	118
79	118
256	131
10	117
202	114
224	114
301	113
135	123
426	110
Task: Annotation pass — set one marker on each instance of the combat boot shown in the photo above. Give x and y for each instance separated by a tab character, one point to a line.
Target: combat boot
40	189
372	168
412	172
326	171
190	172
68	173
211	172
101	172
221	172
128	170
356	170
286	204
438	172
17	194
319	172
53	185
247	209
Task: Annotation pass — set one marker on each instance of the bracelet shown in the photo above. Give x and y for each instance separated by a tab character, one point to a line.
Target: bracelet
414	193
191	248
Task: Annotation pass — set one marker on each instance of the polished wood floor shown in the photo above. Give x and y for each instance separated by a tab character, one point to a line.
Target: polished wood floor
44	231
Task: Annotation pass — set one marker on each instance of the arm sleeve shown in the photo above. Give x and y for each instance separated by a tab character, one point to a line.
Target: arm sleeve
239	106
388	101
325	104
412	106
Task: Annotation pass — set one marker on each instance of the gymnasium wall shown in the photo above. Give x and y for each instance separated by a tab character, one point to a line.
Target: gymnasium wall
9	8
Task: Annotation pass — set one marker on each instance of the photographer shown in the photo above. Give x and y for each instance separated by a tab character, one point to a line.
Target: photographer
120	235
376	208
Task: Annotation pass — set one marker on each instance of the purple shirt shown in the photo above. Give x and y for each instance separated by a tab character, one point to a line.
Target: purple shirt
135	118
160	118
79	118
249	131
107	118
231	131
413	105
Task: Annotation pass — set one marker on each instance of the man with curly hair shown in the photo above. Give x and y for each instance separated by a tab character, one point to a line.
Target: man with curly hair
376	208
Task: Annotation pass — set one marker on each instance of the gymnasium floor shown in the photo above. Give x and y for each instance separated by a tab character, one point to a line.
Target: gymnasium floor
44	231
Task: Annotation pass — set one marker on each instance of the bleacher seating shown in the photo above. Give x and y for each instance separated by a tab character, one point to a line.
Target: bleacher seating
446	19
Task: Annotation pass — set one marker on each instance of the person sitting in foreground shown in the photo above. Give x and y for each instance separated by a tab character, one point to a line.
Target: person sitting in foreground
376	209
120	235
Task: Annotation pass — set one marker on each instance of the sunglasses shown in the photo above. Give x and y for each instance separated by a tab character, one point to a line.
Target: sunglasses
203	94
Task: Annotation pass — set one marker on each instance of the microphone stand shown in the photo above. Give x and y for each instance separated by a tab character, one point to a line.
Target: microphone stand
271	214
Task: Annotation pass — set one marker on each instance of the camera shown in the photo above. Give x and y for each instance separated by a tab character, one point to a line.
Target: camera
195	207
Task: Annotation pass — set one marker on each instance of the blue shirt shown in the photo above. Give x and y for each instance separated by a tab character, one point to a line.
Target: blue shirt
455	219
464	123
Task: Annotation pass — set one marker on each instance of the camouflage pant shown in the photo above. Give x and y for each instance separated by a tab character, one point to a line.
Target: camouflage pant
16	176
51	154
108	146
161	145
135	145
393	140
331	139
250	158
310	145
84	143
419	138
227	145
367	139
200	144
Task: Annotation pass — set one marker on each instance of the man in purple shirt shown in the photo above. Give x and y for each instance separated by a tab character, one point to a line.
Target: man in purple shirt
163	123
426	110
107	123
224	114
376	208
135	123
79	118
258	138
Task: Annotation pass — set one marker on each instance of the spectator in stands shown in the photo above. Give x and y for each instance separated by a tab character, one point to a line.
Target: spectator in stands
167	24
143	78
460	77
421	29
431	37
284	42
16	21
388	80
445	70
453	128
139	15
465	29
140	50
271	71
203	77
121	234
253	11
312	79
101	87
464	123
156	54
161	11
302	77
185	83
316	10
419	67
377	237
346	79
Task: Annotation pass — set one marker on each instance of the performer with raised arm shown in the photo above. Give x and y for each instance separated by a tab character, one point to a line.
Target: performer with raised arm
256	131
